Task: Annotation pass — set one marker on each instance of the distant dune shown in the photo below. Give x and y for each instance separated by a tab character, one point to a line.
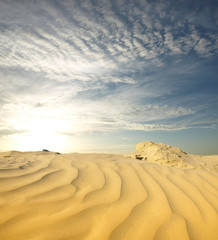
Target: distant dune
159	193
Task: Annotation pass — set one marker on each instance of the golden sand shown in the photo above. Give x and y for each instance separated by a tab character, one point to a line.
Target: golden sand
49	196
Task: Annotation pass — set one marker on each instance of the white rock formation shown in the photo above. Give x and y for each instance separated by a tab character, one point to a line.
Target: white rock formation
161	154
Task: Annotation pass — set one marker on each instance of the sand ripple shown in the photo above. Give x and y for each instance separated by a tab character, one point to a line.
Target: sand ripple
47	196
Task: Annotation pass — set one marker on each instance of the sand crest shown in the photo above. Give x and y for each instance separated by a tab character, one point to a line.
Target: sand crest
48	196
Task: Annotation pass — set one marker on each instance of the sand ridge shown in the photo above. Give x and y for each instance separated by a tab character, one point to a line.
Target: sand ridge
48	196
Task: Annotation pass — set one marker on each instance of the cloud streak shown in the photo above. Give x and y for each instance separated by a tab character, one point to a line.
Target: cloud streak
107	65
71	40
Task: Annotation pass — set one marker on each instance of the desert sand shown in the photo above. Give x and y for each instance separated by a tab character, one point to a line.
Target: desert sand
159	192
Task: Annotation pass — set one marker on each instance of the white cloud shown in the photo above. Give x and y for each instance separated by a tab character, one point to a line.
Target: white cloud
74	43
204	47
152	127
96	64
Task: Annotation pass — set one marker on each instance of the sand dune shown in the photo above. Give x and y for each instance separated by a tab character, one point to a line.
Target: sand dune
47	196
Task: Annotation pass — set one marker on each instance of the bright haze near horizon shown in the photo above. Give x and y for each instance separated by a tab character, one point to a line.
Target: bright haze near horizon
103	75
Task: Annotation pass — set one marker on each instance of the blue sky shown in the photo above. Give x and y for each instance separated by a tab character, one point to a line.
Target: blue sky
104	75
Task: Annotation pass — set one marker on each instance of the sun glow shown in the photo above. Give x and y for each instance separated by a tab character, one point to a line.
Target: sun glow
42	133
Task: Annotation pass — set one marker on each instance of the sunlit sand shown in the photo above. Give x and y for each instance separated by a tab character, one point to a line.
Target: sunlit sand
163	193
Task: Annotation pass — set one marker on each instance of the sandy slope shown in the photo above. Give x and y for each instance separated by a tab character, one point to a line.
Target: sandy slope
98	196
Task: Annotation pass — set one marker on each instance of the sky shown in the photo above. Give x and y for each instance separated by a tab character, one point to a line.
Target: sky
104	75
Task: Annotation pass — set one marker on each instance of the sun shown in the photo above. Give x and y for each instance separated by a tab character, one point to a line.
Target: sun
42	133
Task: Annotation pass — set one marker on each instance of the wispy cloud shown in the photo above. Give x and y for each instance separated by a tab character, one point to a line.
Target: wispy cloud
7	132
106	65
69	41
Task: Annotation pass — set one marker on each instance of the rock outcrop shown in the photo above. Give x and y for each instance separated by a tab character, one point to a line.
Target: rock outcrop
161	154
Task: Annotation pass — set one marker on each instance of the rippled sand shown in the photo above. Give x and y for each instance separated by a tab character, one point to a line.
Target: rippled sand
49	196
